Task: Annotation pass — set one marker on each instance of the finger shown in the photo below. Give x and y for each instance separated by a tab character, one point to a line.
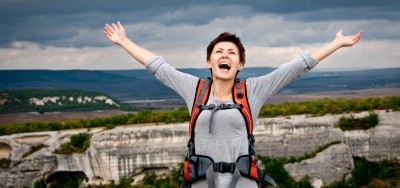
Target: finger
339	33
119	24
107	32
356	38
109	28
114	26
360	33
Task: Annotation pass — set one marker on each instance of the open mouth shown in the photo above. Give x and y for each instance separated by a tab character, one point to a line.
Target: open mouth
224	66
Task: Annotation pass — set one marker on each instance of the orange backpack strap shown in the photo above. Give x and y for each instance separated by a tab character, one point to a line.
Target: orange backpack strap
202	94
239	93
240	97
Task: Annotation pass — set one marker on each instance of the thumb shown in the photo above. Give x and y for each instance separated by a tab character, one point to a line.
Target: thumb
339	33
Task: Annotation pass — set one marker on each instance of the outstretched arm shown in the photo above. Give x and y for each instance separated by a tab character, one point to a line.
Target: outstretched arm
339	42
116	34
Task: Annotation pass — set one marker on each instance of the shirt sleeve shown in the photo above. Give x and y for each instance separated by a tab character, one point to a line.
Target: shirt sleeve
182	83
261	88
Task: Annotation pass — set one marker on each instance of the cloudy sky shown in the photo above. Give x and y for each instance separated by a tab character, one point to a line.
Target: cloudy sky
61	34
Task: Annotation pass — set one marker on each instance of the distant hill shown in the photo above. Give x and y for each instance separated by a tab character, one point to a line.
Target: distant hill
345	80
140	84
48	100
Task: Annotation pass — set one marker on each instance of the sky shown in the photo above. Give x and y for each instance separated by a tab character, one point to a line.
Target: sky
65	35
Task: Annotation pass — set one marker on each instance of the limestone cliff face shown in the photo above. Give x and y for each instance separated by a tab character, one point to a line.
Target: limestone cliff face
295	135
131	150
128	151
334	163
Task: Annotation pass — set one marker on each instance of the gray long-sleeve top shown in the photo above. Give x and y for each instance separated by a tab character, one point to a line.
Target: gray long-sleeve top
228	139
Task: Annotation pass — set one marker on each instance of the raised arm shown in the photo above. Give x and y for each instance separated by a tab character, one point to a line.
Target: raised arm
116	34
339	42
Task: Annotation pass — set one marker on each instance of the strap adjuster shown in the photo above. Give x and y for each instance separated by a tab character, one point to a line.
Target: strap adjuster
224	106
251	139
207	107
224	167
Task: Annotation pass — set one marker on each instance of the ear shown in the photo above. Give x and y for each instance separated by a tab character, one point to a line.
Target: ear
240	66
208	64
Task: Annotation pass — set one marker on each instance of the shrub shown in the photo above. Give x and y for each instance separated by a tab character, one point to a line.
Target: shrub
274	167
367	172
78	143
338	184
64	148
351	123
39	184
302	183
81	141
34	149
109	126
124	182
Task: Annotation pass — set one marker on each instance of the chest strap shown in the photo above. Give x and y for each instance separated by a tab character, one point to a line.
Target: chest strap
214	108
199	167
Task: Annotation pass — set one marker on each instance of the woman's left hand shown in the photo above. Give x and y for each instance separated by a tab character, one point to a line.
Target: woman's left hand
347	40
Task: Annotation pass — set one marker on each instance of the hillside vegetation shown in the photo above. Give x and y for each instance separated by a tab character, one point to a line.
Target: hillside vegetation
125	84
49	100
317	107
331	106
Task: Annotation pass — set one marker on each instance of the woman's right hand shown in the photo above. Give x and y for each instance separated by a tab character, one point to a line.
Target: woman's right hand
115	32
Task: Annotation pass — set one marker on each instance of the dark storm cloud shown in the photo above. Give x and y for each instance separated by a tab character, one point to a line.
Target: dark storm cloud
57	23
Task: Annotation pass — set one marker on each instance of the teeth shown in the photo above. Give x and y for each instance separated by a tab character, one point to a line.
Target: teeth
224	63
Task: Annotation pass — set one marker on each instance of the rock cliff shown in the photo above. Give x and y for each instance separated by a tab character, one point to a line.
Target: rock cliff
132	150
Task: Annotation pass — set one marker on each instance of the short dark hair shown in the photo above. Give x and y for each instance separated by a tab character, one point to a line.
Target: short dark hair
227	37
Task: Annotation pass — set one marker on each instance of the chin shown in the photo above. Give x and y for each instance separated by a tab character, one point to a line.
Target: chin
224	77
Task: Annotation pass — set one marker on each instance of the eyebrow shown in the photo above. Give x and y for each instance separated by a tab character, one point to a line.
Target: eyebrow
230	49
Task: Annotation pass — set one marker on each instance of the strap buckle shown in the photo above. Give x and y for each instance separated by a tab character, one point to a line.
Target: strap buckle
251	139
207	107
224	167
224	106
190	145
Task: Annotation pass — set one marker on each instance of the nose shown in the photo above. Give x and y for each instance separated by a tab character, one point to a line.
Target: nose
225	55
224	58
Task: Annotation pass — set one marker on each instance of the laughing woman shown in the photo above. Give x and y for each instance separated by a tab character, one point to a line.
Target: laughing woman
224	109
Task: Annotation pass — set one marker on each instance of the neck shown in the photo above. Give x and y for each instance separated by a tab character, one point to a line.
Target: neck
222	89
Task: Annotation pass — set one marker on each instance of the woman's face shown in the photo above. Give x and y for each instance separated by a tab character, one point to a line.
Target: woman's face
224	61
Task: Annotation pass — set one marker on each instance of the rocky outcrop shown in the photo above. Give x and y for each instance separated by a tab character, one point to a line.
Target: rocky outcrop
131	150
334	163
295	135
382	142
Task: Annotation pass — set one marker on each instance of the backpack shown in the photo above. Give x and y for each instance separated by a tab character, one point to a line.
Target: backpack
196	167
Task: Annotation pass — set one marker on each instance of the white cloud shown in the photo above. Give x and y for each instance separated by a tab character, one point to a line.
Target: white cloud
27	55
270	40
366	54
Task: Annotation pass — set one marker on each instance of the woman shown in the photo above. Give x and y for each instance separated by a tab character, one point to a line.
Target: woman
222	134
